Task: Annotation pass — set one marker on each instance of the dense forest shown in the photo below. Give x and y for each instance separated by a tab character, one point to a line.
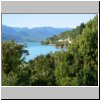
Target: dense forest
77	66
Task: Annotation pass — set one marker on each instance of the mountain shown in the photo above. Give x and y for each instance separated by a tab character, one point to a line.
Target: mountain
65	38
26	34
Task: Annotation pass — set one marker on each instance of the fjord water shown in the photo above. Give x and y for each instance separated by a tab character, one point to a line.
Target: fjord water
35	49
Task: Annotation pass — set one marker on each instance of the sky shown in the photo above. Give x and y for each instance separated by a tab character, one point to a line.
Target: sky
45	20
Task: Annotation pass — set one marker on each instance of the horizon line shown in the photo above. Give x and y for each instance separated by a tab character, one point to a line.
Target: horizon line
36	27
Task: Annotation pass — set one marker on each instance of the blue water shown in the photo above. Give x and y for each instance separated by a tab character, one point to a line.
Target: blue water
35	49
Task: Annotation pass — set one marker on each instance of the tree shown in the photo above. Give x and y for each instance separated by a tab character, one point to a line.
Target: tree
11	56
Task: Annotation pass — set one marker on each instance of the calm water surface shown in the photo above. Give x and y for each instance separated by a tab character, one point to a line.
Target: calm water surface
35	49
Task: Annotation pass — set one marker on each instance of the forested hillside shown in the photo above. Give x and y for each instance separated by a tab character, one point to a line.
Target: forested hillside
65	38
77	66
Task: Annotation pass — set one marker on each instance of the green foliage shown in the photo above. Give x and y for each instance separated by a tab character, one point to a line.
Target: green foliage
9	79
88	44
65	35
81	64
11	56
11	61
85	51
24	77
77	66
42	68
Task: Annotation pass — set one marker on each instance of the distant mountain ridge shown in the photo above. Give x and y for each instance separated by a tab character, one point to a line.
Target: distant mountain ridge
33	34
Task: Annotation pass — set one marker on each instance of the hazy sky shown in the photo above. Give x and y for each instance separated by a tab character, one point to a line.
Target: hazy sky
45	20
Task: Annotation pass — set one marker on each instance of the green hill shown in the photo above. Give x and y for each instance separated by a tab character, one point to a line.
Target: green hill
77	66
65	38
